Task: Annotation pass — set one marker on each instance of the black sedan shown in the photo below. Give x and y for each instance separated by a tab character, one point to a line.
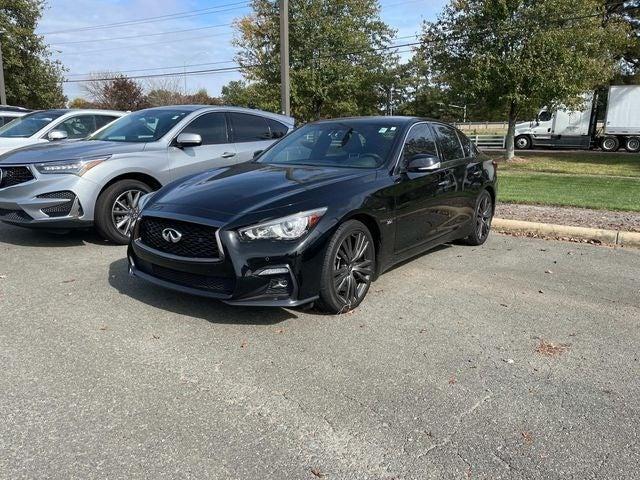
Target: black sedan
318	216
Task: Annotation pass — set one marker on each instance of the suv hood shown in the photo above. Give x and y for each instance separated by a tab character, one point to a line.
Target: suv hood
228	193
67	150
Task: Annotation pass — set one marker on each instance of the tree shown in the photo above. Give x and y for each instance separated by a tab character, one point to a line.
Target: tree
115	92
628	12
337	57
32	78
519	55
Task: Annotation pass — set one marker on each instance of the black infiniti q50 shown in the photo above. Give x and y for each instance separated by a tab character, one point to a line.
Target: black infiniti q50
318	216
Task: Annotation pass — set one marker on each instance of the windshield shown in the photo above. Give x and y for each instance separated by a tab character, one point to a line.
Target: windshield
143	126
28	125
352	144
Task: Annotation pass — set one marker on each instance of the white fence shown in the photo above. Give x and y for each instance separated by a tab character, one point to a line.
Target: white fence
488	141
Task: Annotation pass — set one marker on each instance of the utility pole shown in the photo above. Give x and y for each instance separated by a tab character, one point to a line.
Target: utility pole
285	87
3	95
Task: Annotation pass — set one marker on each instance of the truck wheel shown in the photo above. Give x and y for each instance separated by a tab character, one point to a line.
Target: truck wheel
522	142
632	144
610	144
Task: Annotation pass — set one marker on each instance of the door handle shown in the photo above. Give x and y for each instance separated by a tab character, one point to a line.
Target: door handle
228	154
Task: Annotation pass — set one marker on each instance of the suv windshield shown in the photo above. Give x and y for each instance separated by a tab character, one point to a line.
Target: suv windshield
26	126
352	144
143	126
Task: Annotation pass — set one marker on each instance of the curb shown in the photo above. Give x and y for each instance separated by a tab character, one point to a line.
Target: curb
613	237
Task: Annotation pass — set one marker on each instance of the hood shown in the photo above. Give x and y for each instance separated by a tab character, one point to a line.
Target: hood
8	144
68	150
228	193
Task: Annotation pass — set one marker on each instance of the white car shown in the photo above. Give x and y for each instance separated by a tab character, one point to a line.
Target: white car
8	113
51	125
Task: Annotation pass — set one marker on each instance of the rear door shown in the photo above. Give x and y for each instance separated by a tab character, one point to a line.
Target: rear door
250	134
215	151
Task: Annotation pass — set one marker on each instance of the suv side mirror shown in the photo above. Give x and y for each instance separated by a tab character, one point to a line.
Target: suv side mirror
188	140
423	162
55	135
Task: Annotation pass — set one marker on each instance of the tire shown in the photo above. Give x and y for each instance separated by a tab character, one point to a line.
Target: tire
522	142
632	144
610	144
127	192
482	218
351	249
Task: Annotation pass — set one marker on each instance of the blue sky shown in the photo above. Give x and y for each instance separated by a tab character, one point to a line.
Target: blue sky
200	48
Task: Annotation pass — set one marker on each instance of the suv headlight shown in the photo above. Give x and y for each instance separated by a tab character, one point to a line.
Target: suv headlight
286	228
77	167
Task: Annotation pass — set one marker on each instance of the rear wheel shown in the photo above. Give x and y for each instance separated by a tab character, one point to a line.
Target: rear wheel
117	208
610	144
632	144
348	268
482	220
522	142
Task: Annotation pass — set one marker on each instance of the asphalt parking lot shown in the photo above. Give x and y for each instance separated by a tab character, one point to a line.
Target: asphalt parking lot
519	359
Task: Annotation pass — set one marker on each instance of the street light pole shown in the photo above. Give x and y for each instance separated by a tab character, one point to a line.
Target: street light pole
3	95
285	87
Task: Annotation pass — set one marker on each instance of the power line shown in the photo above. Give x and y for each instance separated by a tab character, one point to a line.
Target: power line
142	35
159	18
159	75
157	68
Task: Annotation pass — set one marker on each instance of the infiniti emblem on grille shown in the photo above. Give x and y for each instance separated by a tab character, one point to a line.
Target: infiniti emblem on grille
171	235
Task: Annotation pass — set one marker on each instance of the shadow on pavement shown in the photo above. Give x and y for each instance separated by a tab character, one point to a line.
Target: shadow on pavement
207	309
25	237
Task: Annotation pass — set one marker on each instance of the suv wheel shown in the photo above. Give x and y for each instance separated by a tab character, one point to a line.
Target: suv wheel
117	208
348	268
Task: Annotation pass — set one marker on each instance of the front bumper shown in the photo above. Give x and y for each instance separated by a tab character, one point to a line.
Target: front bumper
269	273
49	201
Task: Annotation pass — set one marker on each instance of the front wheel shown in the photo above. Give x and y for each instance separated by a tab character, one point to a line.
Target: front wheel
117	208
348	268
481	220
523	142
610	144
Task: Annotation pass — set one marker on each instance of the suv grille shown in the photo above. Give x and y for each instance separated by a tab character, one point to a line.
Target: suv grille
198	241
14	176
201	282
6	214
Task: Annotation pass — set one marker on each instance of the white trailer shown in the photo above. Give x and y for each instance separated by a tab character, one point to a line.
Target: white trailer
564	128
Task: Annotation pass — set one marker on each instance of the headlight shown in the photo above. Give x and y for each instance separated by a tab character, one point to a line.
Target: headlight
286	228
76	167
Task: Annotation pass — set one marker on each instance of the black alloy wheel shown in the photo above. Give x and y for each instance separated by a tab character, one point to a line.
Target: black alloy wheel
482	219
348	268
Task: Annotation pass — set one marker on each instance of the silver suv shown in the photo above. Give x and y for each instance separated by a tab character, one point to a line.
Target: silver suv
99	181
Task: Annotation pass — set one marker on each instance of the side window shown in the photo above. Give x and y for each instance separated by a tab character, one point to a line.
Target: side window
449	142
467	146
419	141
102	120
212	127
278	130
78	127
249	128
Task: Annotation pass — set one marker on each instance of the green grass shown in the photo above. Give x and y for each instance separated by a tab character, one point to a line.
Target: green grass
587	191
578	163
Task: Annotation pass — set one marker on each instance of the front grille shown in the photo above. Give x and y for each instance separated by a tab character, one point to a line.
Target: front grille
220	285
6	214
14	176
198	241
61	210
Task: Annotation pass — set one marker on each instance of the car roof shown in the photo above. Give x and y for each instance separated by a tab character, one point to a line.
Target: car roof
395	119
225	108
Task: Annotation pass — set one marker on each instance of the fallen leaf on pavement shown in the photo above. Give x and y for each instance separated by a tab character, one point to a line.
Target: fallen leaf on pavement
317	473
452	380
551	349
102	327
71	280
528	438
244	344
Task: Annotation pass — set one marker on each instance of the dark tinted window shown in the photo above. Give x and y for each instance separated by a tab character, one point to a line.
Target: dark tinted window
212	127
419	141
278	130
102	120
449	142
249	128
467	146
545	116
78	127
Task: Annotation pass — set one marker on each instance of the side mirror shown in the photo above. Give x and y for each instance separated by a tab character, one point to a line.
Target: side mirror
55	135
423	163
188	140
257	153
